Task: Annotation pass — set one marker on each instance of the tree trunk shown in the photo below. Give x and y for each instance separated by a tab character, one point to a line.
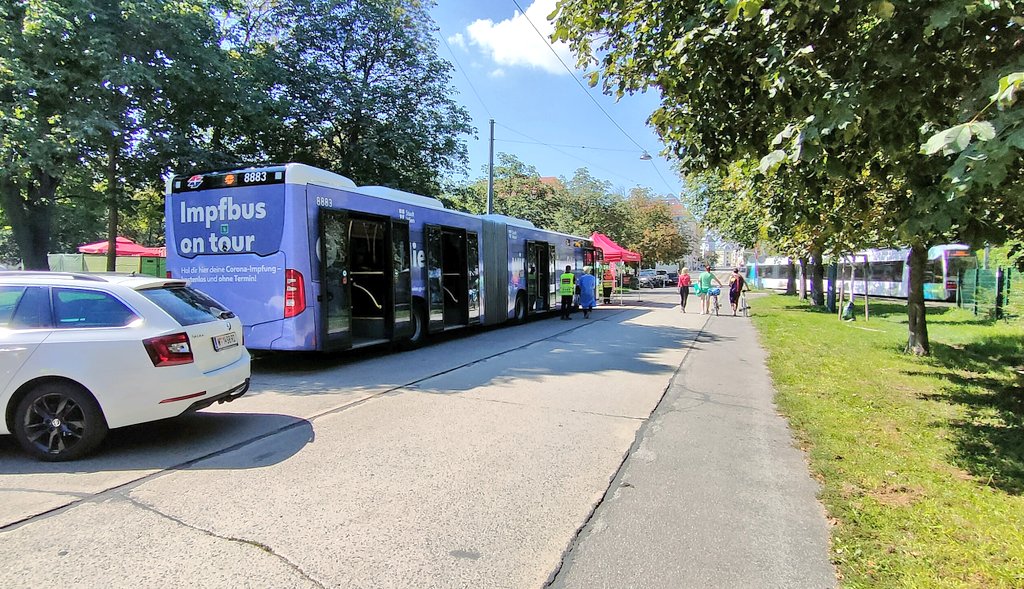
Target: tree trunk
802	287
817	279
30	217
791	278
112	204
917	341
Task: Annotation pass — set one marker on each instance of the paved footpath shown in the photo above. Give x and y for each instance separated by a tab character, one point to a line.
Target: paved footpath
713	492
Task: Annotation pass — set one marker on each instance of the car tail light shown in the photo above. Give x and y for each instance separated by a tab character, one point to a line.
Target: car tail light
169	350
294	293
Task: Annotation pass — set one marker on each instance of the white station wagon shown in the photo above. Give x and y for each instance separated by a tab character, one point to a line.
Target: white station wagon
83	353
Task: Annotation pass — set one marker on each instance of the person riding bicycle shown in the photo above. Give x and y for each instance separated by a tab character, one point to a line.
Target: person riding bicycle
704	283
737	284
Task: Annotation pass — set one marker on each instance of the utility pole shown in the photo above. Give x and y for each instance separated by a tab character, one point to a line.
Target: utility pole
490	174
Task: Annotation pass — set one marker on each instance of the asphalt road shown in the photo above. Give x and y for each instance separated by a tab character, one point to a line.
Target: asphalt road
495	459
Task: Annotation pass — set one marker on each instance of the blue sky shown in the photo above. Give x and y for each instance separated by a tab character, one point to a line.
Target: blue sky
504	71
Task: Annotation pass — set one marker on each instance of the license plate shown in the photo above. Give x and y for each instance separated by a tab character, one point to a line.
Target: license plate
225	341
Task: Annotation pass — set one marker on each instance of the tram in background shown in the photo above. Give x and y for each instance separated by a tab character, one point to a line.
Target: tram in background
887	272
310	261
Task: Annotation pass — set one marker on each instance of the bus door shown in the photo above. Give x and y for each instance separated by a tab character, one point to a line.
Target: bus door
371	282
335	308
554	273
402	279
447	277
473	276
538	276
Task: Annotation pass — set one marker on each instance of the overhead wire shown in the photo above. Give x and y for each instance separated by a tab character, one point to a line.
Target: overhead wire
568	154
575	79
569	146
555	147
663	181
587	92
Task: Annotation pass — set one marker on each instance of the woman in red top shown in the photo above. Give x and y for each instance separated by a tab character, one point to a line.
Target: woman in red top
684	287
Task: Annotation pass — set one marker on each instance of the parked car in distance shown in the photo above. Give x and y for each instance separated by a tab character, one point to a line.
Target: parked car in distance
83	353
651	279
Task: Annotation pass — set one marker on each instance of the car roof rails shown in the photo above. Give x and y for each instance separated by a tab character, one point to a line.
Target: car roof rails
48	274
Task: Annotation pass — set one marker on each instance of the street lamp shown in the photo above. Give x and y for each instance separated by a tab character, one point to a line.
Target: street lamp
645	156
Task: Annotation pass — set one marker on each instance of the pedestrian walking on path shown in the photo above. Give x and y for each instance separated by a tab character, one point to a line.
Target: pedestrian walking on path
588	291
685	282
737	284
704	289
566	288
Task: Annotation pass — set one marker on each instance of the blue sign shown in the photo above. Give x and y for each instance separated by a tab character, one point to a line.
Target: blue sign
230	221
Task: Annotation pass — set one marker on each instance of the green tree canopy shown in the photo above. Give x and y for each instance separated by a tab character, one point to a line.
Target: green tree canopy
841	91
645	225
370	98
103	97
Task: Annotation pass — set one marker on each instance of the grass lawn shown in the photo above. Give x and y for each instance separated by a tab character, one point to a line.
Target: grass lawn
921	460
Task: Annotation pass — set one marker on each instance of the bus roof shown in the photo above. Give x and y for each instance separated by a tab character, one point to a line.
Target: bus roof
399	196
514	221
303	174
299	174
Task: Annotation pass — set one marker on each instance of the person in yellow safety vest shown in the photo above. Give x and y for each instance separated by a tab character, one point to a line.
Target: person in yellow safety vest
567	288
608	284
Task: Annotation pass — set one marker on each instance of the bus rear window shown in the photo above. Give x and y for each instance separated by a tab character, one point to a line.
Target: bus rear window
187	305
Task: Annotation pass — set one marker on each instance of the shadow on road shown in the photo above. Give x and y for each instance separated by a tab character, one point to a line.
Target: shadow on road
615	343
172	443
624	349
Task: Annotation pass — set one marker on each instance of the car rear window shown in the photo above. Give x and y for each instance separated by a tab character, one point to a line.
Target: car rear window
88	308
187	305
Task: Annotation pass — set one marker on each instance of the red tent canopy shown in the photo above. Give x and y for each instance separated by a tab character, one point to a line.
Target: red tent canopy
125	247
613	252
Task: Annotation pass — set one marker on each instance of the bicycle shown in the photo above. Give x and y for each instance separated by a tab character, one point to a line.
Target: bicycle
742	304
713	293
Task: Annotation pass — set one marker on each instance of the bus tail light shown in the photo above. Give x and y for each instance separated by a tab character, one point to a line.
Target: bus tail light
294	293
951	285
169	350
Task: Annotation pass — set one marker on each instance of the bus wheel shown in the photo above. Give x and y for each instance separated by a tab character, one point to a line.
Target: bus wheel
520	312
419	329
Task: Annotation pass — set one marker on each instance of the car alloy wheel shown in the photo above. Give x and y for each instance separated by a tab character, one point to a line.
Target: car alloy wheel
58	421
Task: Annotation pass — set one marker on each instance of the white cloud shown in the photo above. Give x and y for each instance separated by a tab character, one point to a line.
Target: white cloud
458	40
514	42
498	73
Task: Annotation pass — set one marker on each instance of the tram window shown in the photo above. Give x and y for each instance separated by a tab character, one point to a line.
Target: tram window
891	271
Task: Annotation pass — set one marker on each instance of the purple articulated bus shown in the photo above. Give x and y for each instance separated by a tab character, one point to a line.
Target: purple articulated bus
310	261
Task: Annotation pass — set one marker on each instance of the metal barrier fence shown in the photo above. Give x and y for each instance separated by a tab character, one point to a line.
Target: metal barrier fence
992	293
